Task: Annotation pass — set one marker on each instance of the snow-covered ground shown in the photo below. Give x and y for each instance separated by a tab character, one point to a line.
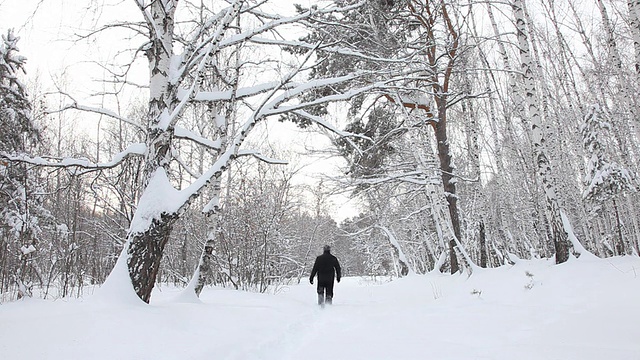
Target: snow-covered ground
584	309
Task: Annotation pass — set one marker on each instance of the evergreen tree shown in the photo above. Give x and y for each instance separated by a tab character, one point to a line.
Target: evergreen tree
15	109
605	180
21	210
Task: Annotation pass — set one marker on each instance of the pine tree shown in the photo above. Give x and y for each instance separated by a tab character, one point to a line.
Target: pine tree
21	210
15	109
605	180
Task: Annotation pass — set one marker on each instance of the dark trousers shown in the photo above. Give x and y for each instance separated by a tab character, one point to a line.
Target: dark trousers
325	288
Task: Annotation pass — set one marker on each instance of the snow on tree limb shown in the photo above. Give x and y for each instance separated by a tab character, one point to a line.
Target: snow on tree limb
137	149
158	198
331	49
396	246
412	177
214	42
203	59
323	123
210	44
241	93
269	106
261	157
320	83
100	111
604	179
182	133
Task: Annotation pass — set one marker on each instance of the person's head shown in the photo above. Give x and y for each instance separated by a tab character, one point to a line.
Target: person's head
326	248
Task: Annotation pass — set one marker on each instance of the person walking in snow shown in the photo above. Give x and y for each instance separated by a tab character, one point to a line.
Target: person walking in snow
327	267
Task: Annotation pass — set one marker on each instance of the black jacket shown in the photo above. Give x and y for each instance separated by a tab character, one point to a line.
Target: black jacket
326	266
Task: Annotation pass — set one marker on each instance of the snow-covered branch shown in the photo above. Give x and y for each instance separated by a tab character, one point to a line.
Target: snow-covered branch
412	177
326	48
261	157
208	45
182	133
138	149
100	111
276	109
242	93
202	60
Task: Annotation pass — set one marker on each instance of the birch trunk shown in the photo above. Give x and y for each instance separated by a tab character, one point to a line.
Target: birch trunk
634	22
444	154
634	239
517	110
614	54
493	125
146	247
395	245
620	247
559	235
204	272
483	246
477	215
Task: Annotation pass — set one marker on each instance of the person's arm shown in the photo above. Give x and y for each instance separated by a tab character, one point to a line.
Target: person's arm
313	271
338	272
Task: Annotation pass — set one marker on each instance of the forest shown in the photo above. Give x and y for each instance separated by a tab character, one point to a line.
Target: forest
470	133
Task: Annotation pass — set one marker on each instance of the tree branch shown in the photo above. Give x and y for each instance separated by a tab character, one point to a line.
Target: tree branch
138	149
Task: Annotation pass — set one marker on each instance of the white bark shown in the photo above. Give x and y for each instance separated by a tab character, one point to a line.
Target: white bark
537	135
402	259
634	23
616	60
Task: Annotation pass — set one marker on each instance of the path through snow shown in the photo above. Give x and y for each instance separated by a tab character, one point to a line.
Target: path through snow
581	310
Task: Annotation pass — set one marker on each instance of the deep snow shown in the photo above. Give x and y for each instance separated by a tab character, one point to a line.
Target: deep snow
584	309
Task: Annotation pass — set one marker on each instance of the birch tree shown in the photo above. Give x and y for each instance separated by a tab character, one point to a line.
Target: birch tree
634	24
628	100
558	231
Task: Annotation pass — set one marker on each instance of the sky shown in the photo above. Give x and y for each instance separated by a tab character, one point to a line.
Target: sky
583	309
47	31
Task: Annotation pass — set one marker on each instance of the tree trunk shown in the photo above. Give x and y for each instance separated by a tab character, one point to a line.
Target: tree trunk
559	235
205	266
634	22
515	109
627	92
440	87
444	154
483	246
402	259
620	248
634	239
205	271
145	252
146	247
